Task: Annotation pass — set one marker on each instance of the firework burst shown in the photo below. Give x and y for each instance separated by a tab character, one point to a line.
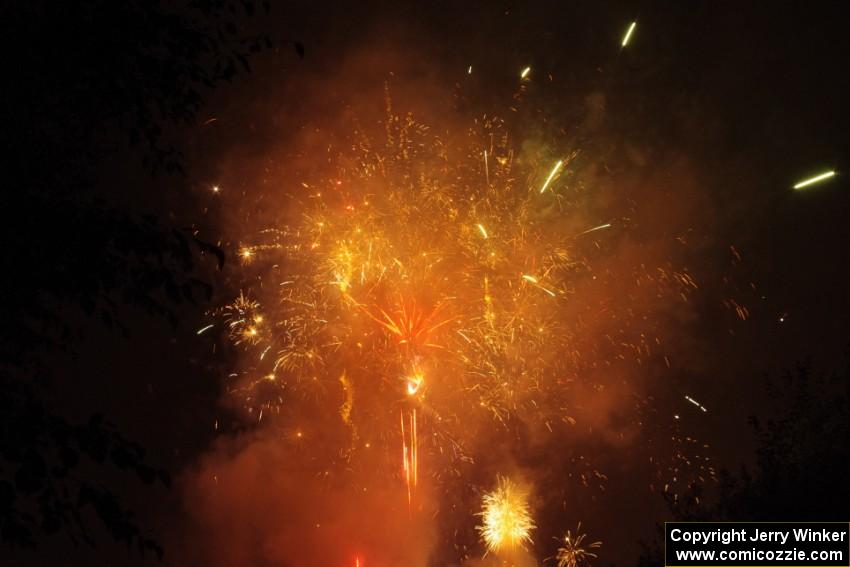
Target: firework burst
574	551
414	289
506	519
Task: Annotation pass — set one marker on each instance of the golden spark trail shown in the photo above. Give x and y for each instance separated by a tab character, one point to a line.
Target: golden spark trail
410	456
815	179
629	33
552	175
415	446
405	460
535	282
697	404
594	229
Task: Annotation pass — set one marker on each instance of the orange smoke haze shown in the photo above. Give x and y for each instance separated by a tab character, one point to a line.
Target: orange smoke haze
255	504
268	499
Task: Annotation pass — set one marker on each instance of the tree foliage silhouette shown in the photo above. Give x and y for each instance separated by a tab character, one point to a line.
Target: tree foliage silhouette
85	80
801	467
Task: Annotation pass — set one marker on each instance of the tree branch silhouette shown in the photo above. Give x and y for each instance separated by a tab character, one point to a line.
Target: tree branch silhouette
90	79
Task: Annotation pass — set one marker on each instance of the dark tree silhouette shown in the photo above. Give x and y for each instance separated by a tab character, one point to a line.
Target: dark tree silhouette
86	80
801	467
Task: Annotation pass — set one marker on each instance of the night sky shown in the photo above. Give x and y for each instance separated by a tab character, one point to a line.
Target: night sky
689	141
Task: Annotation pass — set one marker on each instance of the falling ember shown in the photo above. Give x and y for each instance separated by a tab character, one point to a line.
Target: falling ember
815	179
628	35
595	228
405	460
525	73
506	520
469	71
410	460
697	404
204	329
552	175
415	446
482	230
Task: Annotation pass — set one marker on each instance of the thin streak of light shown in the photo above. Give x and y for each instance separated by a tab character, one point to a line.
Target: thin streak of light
815	179
552	175
628	35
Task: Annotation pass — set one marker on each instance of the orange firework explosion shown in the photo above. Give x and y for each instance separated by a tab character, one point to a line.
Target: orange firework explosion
506	520
411	325
453	284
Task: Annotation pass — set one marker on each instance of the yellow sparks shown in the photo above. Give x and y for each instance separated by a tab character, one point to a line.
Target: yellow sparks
575	552
356	297
348	404
552	174
216	188
469	71
525	73
536	283
414	383
815	179
628	35
507	522
595	228
204	329
548	291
